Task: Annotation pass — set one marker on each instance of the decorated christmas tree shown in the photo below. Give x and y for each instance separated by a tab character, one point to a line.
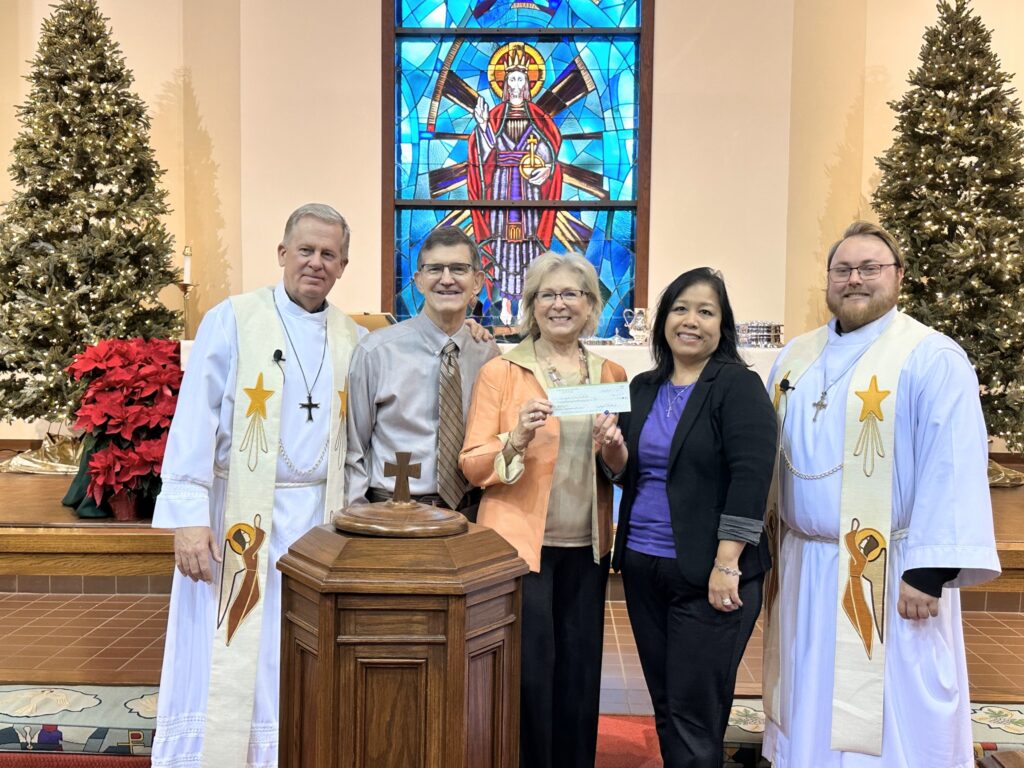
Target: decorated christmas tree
83	253
952	191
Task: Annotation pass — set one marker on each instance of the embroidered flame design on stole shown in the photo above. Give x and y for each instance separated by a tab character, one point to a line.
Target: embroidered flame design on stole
240	575
868	552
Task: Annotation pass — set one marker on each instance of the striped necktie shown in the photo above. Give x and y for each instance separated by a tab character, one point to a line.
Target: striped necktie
451	484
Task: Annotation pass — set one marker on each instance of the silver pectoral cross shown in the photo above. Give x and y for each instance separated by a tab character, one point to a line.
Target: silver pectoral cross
819	405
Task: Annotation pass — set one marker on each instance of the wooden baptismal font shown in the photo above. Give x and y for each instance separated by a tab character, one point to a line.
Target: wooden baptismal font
400	641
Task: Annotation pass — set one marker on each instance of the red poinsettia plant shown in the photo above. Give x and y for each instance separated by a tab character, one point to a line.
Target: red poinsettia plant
131	389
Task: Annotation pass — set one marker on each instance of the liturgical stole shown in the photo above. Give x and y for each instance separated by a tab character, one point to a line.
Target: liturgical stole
865	533
248	511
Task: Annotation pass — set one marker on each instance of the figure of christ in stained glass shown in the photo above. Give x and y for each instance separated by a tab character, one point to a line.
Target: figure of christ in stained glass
513	155
562	129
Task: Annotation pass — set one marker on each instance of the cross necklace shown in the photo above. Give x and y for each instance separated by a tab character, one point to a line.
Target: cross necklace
821	403
309	405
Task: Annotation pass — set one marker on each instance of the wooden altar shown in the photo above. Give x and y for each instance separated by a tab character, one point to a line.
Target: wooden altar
400	652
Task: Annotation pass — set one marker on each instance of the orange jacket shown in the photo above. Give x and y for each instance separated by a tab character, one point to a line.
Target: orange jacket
518	511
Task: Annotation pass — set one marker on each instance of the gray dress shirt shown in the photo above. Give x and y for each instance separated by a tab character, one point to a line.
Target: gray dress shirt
393	401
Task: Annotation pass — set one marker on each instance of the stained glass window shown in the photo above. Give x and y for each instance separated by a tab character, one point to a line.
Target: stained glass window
476	14
522	123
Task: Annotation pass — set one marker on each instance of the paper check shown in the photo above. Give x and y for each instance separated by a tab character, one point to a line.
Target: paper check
590	398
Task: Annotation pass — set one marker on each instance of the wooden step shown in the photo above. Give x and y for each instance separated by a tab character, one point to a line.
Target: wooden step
40	536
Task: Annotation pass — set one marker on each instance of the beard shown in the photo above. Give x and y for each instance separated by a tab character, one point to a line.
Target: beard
851	317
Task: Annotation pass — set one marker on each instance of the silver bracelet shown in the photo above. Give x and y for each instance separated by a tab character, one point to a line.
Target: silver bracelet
727	570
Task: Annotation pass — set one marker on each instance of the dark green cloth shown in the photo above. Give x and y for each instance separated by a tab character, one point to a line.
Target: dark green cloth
76	496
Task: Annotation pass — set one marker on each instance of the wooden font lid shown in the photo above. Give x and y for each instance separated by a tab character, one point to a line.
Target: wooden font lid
409	520
400	517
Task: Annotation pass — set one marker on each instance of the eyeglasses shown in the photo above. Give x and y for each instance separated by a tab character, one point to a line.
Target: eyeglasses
456	268
569	297
866	272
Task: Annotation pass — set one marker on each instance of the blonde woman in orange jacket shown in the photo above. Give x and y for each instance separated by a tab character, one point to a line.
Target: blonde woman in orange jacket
544	493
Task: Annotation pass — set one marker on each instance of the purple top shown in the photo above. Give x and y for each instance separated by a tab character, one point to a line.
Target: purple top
650	527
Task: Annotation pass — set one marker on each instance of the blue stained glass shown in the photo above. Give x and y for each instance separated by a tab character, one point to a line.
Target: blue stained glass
596	77
565	131
611	249
470	14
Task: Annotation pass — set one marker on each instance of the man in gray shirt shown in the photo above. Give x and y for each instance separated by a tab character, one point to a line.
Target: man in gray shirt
408	383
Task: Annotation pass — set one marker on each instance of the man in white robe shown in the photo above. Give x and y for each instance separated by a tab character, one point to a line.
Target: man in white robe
313	254
942	533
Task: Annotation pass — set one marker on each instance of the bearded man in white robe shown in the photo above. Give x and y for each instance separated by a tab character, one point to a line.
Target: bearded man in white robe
282	352
883	512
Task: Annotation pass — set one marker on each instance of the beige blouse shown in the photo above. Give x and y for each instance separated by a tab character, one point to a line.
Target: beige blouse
570	505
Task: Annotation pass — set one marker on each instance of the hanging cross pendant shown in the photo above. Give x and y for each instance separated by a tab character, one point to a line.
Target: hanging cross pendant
309	405
819	405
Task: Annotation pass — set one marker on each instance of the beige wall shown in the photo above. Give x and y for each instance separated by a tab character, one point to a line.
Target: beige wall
311	128
208	85
767	119
720	147
825	147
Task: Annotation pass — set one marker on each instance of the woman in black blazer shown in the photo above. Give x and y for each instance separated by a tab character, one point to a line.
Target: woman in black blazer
699	448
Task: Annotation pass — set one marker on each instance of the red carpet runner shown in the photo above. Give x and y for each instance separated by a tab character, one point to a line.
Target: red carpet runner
43	759
627	742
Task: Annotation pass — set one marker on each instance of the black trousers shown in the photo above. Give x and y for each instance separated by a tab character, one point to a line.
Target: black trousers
689	653
563	633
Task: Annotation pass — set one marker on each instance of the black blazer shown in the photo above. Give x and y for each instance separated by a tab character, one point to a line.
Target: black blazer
720	463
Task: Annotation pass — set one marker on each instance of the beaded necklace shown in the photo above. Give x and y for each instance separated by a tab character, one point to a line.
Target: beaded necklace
556	377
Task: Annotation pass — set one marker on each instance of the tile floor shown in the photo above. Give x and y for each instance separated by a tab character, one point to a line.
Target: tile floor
120	638
49	638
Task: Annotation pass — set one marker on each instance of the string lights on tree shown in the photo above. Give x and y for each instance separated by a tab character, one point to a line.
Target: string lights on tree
952	191
83	252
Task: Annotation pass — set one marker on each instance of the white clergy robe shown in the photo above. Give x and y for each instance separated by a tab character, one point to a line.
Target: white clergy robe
194	486
940	495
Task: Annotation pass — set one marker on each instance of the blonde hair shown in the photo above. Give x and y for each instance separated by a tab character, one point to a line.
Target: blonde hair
866	228
543	266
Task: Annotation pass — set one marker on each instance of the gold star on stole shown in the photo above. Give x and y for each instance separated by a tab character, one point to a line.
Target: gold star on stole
258	397
872	397
869	442
255	440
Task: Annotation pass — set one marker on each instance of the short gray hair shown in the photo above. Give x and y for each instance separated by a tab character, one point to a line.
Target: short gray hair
318	211
867	229
450	236
544	265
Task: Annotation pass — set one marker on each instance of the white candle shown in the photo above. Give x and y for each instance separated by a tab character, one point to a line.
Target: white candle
186	277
